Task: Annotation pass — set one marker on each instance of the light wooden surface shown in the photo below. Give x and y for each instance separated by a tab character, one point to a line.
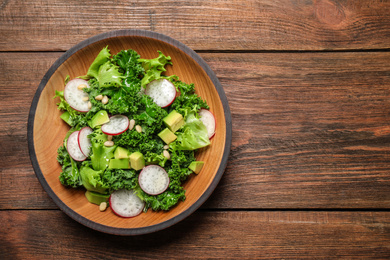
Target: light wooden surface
308	87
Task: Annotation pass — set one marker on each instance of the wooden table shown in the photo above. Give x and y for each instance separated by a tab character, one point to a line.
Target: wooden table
308	84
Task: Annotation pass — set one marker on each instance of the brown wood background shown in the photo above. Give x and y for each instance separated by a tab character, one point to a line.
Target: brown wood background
308	84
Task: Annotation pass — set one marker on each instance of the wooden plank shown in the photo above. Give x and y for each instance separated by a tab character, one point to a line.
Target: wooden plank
244	235
309	130
202	25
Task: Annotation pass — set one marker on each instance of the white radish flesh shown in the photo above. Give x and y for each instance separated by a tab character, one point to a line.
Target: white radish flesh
83	140
153	180
117	125
73	148
162	91
126	204
208	120
75	96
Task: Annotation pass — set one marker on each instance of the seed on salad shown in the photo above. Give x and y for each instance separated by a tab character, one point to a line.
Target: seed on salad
131	124
85	98
105	100
99	97
109	137
81	86
166	147
138	128
89	105
108	143
166	154
103	206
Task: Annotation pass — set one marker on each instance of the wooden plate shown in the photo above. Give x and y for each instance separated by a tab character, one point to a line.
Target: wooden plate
46	130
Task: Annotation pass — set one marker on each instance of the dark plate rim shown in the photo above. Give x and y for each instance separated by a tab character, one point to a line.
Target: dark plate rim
129	231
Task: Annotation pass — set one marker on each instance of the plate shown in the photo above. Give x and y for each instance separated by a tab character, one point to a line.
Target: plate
46	130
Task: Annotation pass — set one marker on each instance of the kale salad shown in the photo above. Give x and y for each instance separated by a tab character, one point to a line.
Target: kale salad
133	133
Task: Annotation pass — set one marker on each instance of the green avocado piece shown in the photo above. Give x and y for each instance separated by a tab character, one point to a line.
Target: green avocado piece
66	117
121	153
167	136
196	166
96	198
173	121
119	163
101	117
137	161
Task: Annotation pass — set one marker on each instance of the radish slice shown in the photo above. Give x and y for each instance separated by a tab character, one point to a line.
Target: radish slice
162	91
126	204
208	120
153	180
76	97
117	125
72	146
83	140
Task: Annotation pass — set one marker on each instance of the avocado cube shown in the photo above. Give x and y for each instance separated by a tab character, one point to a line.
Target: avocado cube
66	117
196	166
121	153
101	117
173	121
119	164
96	198
137	161
167	136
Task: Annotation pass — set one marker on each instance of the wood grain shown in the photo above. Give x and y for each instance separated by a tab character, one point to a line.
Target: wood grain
309	130
214	25
227	235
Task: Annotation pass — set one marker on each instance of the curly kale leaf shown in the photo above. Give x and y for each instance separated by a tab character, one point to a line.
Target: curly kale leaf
70	175
128	62
164	201
187	99
117	179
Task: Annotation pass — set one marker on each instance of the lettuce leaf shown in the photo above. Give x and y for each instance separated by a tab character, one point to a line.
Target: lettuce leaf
101	154
154	67
101	58
109	75
193	135
92	180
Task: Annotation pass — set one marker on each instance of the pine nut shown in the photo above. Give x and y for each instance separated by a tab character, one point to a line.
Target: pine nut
89	105
138	128
132	123
166	147
103	206
166	154
108	143
80	87
99	97
105	100
85	98
109	137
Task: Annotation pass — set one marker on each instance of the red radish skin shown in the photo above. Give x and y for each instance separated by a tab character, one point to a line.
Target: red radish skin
153	180
75	97
83	140
126	204
118	124
162	91
208	119
72	146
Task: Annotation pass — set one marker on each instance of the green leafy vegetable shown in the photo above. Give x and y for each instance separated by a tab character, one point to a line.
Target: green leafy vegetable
194	135
121	78
102	57
70	175
154	67
92	180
